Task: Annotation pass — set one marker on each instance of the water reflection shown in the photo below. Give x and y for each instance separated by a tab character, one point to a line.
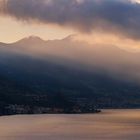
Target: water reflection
109	125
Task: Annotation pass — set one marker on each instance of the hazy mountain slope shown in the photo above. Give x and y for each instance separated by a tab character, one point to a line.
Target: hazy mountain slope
81	55
71	68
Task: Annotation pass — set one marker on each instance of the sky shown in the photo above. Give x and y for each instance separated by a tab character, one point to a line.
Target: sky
114	22
12	30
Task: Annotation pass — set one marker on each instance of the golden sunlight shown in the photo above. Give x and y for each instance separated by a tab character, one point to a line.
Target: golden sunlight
101	38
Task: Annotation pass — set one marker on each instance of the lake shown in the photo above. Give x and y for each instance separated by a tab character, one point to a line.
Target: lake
108	125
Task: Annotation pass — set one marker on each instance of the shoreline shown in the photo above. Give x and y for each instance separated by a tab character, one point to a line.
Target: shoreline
97	112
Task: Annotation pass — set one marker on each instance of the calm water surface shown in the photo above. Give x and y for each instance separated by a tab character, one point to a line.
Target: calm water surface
108	125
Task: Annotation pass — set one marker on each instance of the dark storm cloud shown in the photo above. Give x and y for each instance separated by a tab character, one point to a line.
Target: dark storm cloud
121	16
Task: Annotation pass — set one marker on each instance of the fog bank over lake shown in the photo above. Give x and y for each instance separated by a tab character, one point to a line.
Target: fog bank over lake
108	125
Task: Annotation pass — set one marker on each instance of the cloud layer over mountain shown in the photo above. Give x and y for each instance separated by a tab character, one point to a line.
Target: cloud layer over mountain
119	16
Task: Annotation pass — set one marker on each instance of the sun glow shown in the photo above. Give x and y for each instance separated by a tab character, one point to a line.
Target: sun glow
137	1
109	39
17	30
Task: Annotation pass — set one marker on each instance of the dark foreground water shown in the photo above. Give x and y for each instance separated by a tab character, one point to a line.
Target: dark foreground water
108	125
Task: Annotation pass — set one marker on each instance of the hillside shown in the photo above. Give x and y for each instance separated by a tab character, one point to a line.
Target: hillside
34	72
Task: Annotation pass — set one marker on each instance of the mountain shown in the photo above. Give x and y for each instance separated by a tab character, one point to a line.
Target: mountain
37	72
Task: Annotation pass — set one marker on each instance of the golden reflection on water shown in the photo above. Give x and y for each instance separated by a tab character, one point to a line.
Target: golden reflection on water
108	125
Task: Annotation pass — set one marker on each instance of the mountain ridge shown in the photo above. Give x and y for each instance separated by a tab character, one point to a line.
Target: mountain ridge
75	70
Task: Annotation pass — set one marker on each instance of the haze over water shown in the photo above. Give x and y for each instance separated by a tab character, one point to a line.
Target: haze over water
108	125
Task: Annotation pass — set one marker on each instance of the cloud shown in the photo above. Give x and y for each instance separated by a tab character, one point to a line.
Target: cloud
119	16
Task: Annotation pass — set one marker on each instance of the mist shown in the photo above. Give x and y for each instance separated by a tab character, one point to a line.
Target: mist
108	59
